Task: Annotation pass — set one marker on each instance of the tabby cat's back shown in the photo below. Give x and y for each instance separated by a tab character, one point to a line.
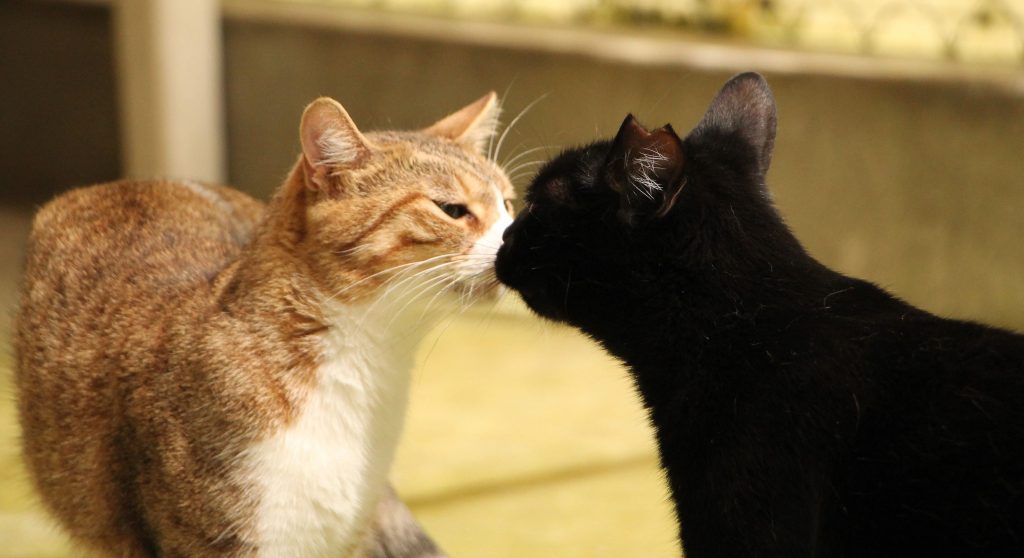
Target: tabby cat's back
181	231
111	264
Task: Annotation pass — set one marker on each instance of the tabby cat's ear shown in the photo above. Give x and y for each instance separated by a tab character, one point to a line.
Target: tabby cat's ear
646	169
473	125
330	140
745	107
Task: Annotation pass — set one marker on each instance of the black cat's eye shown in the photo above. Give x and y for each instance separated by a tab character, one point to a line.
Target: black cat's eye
453	210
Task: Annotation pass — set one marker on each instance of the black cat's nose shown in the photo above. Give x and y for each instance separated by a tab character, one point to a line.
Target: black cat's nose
506	236
510	231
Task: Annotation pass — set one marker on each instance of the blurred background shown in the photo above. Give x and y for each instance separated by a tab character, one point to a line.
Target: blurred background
898	159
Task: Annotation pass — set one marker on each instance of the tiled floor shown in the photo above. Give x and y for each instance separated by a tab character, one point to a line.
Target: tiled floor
522	440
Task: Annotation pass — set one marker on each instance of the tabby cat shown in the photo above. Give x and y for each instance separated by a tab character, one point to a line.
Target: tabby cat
798	412
200	374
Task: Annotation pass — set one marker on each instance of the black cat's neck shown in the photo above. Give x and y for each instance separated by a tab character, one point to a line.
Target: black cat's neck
722	255
673	323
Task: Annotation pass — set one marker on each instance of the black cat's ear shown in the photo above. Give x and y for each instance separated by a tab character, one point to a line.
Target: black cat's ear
645	168
745	106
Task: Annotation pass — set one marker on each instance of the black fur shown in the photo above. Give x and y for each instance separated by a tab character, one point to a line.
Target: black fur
798	412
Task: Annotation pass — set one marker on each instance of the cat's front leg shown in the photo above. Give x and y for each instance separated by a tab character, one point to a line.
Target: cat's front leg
757	534
395	533
754	506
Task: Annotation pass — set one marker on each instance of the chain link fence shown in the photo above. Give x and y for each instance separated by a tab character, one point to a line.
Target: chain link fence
970	31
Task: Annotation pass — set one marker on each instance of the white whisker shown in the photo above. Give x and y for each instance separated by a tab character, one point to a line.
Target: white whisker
351	286
353	250
523	154
404	267
417	293
525	165
501	140
418	275
491	154
451	283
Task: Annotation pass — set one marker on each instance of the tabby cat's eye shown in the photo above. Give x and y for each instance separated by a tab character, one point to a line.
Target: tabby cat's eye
453	210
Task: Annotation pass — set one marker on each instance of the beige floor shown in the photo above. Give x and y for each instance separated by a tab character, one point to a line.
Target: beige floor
522	440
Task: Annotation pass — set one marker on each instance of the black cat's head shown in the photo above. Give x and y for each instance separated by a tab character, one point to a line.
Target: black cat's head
618	222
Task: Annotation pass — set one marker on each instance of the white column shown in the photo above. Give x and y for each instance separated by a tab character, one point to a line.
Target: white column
170	81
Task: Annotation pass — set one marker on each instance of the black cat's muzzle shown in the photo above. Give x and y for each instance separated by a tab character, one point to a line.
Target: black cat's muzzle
507	269
520	266
523	277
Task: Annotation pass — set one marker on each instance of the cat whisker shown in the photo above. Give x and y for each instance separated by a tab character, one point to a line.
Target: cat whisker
417	294
515	150
518	180
389	300
512	124
404	267
490	140
371	276
448	282
414	281
522	154
448	320
451	283
492	310
484	255
418	274
520	175
526	165
353	250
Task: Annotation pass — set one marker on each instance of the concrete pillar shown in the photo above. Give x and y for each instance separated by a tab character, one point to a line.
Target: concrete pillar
170	84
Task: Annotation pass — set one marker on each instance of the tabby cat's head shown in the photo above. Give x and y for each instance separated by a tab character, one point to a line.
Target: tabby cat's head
429	205
650	217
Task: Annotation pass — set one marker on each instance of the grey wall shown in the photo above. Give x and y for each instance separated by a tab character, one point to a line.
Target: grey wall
58	106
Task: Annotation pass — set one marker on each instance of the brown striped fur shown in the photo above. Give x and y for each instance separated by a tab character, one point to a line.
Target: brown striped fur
165	327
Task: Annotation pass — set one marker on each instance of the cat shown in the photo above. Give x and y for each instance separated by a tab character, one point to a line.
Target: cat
797	411
200	374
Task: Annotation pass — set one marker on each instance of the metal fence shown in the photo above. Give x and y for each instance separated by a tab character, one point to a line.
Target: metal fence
971	31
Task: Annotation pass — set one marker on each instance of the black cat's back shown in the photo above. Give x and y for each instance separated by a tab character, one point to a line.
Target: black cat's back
843	424
938	457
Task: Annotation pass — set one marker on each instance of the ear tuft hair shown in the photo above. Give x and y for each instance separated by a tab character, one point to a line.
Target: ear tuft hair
329	136
336	149
645	168
473	125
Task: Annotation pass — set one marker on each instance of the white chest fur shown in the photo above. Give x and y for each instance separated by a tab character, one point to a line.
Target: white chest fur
321	477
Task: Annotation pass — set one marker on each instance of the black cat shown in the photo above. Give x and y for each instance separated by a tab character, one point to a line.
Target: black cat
798	412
